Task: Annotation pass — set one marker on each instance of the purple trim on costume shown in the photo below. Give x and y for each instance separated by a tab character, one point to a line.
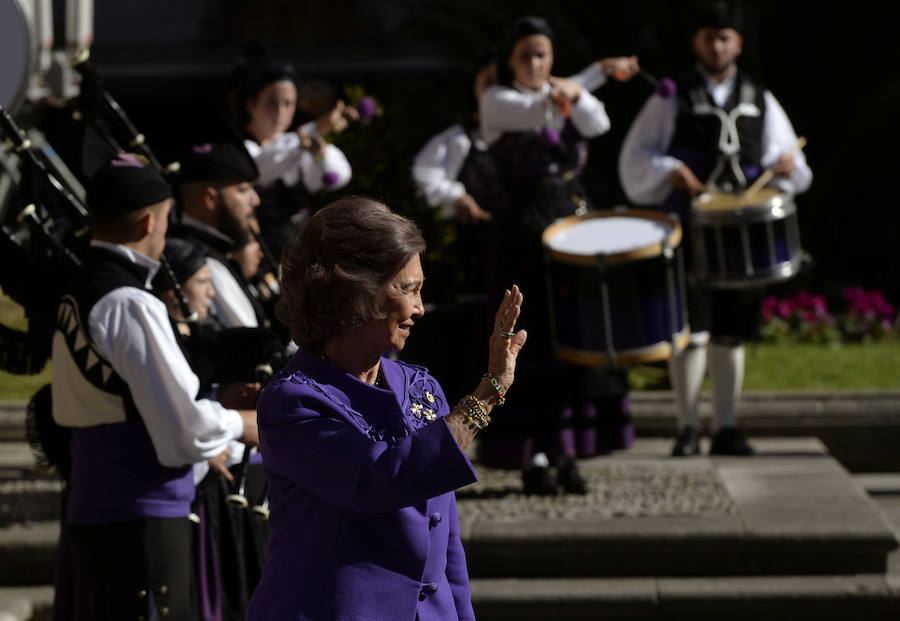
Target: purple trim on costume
586	440
208	575
126	160
666	88
548	137
565	437
116	477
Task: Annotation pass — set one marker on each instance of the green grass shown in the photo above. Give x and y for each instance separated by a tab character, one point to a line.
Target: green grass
803	367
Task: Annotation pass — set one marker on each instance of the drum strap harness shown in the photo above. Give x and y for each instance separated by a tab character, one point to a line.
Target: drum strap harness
729	141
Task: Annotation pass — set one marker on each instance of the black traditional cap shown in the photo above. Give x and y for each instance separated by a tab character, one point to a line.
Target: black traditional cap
524	26
718	15
262	72
217	162
126	183
184	257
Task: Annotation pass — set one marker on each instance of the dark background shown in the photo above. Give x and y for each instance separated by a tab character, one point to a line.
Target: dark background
831	64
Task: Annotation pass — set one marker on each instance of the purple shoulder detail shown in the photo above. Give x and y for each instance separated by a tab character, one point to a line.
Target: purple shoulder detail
300	378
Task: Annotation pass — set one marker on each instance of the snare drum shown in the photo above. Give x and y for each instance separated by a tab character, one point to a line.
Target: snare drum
741	244
616	284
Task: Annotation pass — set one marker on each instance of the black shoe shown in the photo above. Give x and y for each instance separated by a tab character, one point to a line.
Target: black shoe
569	479
687	444
730	441
537	481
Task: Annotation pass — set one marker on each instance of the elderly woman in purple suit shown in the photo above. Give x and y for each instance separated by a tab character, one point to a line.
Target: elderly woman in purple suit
363	453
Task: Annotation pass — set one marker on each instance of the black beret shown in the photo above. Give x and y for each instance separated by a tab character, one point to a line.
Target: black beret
184	257
522	27
126	183
718	15
263	72
218	162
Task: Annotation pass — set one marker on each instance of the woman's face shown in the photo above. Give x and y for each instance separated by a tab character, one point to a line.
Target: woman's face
272	110
402	305
199	292
531	61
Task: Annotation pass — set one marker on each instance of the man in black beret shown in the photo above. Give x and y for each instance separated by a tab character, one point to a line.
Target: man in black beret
122	384
217	213
716	128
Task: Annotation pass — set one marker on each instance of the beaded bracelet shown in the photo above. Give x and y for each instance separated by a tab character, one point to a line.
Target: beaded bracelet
496	384
475	413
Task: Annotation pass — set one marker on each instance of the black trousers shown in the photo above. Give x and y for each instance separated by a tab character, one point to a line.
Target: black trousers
137	567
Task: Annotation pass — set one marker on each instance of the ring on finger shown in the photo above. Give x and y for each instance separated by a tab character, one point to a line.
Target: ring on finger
508	335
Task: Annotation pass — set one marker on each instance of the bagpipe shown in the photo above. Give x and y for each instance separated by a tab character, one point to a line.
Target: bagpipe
43	240
45	230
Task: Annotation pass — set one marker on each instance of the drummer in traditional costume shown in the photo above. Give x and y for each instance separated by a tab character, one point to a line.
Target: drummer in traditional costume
293	165
719	130
537	127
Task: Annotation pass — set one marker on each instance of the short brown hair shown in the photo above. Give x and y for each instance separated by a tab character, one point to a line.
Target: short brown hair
335	271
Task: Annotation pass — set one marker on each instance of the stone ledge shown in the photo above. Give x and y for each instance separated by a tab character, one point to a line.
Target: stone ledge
797	512
771	597
28	553
25	603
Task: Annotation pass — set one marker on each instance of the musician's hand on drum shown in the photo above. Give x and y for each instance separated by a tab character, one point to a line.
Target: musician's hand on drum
622	68
217	463
785	165
564	89
684	179
505	343
467	210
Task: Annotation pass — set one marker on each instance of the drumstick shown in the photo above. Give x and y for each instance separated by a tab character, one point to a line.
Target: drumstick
770	172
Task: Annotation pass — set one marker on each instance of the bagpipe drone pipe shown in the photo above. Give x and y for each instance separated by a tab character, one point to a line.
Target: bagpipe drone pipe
43	240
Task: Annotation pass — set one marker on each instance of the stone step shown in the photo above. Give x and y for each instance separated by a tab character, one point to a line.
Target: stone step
789	510
860	428
26	495
774	598
33	603
28	553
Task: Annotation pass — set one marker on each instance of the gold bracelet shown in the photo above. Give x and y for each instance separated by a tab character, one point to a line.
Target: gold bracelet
475	413
501	396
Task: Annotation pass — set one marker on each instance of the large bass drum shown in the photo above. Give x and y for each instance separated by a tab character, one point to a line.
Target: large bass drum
743	243
18	52
616	287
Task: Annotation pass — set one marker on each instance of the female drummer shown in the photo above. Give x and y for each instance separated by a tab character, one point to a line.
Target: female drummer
363	453
293	165
537	126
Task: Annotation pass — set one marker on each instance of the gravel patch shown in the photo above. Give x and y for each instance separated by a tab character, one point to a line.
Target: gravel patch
617	490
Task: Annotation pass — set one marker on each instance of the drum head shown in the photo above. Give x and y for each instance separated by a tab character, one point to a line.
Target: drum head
17	51
616	236
726	201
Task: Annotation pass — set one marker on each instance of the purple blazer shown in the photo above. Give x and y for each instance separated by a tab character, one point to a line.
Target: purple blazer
363	514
